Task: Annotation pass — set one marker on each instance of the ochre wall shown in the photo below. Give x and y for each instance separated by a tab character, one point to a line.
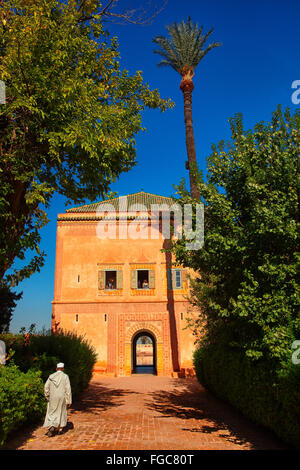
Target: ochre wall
107	319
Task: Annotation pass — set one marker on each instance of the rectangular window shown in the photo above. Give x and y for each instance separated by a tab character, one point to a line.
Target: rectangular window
178	279
110	280
143	279
175	279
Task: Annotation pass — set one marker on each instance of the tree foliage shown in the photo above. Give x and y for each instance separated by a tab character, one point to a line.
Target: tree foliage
247	288
8	299
183	51
70	117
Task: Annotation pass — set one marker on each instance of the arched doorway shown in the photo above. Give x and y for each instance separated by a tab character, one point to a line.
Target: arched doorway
144	353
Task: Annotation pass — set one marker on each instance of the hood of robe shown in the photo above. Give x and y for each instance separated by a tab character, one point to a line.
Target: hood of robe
56	378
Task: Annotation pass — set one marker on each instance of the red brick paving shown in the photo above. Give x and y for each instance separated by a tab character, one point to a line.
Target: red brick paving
145	412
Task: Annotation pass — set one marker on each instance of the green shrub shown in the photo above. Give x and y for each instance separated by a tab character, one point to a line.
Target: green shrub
246	287
44	351
21	398
74	351
33	359
269	398
16	344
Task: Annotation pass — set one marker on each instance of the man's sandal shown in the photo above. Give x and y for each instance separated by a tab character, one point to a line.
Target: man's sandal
51	431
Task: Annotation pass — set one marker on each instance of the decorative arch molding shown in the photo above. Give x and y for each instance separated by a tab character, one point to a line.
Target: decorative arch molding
132	323
132	331
146	326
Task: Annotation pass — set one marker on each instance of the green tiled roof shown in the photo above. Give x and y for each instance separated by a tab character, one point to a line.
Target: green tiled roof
119	203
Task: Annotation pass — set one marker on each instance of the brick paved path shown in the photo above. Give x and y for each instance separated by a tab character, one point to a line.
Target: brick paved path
149	412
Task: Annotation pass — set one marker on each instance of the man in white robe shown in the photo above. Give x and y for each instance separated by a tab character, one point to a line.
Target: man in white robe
58	394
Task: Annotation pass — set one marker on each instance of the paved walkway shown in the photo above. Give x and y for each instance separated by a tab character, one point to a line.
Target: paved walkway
145	412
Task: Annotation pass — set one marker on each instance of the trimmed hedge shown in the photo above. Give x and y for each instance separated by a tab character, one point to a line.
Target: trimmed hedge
268	398
21	399
43	351
33	359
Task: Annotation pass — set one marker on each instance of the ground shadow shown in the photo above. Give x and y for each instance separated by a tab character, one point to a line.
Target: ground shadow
68	427
95	399
209	415
22	435
98	398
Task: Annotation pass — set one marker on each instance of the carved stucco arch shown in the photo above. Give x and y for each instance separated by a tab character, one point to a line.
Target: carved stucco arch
131	332
143	326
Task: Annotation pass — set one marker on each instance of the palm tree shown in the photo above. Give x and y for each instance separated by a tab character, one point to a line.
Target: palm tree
183	52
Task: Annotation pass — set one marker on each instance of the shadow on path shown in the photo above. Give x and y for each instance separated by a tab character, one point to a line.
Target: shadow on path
179	409
98	398
204	413
21	436
94	400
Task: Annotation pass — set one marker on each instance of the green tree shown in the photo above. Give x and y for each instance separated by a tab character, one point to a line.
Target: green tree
247	288
183	52
70	118
8	300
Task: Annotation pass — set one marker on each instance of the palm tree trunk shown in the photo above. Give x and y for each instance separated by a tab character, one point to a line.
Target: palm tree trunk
187	88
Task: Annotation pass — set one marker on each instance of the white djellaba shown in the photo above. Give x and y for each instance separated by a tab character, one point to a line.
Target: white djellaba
58	394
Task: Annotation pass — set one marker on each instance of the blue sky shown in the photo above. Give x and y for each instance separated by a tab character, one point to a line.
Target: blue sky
251	73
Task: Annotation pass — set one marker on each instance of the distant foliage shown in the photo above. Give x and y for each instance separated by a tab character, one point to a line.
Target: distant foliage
8	300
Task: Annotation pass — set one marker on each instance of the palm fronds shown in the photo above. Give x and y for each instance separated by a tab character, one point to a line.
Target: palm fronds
184	49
